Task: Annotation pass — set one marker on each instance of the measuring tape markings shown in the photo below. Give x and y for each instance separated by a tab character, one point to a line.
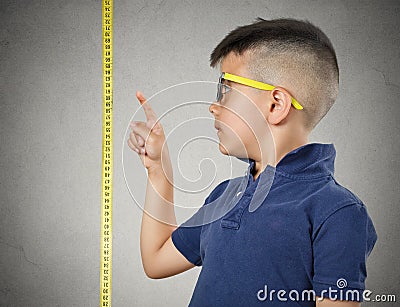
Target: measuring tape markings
107	158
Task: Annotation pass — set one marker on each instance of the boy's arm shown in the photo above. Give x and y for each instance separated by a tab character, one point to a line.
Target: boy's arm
331	303
160	258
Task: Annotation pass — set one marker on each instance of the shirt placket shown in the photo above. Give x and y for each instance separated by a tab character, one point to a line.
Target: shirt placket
232	219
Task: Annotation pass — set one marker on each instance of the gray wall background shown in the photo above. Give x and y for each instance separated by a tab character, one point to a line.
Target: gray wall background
51	106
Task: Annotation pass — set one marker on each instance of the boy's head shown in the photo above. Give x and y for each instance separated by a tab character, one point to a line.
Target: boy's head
294	56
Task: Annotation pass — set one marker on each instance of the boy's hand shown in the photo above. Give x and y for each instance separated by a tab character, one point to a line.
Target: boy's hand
147	138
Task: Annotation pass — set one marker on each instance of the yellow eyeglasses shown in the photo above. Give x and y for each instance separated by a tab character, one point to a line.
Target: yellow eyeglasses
248	82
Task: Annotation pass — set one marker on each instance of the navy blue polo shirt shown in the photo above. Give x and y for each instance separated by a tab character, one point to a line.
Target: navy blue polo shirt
292	233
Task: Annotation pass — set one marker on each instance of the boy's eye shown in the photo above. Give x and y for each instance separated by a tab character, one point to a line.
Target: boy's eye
225	88
222	90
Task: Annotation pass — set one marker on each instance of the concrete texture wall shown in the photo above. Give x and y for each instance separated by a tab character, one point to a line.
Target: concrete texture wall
51	106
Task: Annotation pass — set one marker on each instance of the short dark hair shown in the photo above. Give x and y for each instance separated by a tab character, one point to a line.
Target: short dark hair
291	53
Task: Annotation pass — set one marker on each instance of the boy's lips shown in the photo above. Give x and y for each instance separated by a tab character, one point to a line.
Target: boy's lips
218	130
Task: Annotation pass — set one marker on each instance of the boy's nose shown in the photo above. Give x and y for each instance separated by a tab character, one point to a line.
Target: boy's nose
212	107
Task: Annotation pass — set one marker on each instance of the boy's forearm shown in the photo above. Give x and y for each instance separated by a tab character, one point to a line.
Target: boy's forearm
158	212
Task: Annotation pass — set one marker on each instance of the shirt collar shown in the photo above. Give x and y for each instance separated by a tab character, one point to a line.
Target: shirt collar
311	160
308	161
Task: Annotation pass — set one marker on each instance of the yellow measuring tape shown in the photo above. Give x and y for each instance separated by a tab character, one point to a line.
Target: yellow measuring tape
107	159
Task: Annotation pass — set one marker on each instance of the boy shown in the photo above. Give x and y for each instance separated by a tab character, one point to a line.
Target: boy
289	234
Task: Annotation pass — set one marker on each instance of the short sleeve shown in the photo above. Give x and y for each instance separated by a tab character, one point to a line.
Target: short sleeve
186	237
340	249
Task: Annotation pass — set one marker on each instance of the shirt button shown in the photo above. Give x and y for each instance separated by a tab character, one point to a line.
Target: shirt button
238	194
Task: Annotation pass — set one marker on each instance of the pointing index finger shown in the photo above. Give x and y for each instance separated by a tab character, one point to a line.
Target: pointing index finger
148	110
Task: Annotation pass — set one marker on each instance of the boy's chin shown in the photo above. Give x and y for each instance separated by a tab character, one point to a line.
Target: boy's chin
231	153
222	149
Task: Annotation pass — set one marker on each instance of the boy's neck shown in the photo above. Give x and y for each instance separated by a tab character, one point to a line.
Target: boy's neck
281	151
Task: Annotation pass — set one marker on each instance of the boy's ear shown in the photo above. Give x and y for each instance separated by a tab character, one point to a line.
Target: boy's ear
279	105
